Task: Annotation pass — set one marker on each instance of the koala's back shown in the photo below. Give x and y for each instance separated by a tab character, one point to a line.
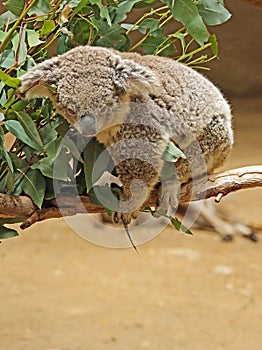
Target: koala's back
184	91
195	104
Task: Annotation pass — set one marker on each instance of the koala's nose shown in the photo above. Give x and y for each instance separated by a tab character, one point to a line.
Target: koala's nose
86	125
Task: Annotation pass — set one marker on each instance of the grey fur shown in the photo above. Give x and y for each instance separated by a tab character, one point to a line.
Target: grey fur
139	103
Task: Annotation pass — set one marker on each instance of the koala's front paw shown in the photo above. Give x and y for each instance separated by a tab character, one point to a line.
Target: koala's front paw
124	218
131	199
169	197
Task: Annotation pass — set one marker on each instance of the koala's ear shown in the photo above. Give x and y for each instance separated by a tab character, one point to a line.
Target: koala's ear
131	77
40	80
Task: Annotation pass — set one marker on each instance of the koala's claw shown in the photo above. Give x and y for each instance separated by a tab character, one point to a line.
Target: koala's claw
169	197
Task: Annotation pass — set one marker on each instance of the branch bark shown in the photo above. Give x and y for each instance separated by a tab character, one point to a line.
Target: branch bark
218	186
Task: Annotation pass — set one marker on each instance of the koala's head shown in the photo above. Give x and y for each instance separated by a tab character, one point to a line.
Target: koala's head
89	86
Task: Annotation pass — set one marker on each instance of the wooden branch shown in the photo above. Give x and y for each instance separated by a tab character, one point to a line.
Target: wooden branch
218	186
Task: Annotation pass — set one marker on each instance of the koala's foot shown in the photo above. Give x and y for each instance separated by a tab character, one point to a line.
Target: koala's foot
169	197
226	226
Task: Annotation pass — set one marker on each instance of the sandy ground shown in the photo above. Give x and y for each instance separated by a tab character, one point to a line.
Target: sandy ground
60	292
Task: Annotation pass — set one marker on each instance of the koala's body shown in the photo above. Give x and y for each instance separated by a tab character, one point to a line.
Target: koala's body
135	105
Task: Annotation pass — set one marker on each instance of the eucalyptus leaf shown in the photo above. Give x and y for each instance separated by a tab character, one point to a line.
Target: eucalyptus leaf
33	38
15	128
179	226
46	164
150	23
213	12
19	46
48	27
47	134
8	159
92	152
114	37
10	81
30	128
15	6
6	232
124	7
172	153
40	8
7	58
103	10
214	44
33	184
186	12
81	30
7	16
79	7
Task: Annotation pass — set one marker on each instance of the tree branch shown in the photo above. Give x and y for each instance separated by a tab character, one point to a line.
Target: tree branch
218	186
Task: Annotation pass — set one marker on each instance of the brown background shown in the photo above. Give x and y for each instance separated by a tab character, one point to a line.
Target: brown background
59	292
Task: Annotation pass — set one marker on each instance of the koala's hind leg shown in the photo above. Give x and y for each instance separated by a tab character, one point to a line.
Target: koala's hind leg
226	226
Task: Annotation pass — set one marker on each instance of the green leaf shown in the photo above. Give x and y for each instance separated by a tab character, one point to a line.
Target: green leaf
179	226
149	23
81	30
33	38
114	37
15	6
30	128
172	153
19	106
7	16
213	12
214	44
103	10
103	195
159	212
7	180
124	7
186	11
48	134
40	8
46	164
8	159
150	45
48	27
10	98
15	128
6	232
7	58
79	7
64	44
19	45
93	167
146	3
11	221
10	81
33	184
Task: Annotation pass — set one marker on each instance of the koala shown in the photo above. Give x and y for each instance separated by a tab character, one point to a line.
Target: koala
136	105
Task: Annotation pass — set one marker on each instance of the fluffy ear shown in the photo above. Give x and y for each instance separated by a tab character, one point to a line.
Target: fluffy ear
36	82
131	77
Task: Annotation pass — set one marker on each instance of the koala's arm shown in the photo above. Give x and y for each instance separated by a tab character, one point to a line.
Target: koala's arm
137	153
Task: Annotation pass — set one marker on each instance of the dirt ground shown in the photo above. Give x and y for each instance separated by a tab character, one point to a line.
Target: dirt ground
60	292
